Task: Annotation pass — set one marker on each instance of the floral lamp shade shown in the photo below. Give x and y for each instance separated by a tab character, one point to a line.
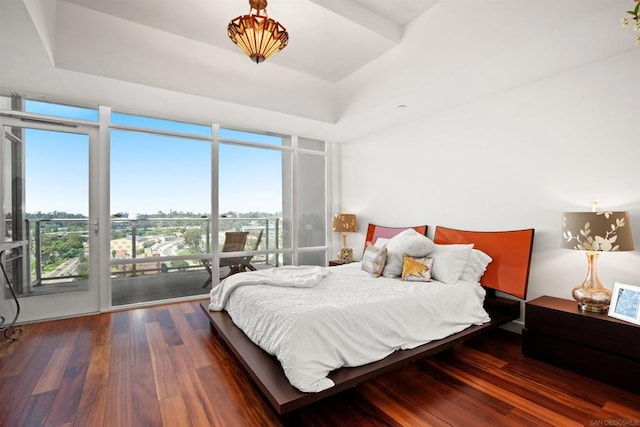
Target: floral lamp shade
595	232
345	223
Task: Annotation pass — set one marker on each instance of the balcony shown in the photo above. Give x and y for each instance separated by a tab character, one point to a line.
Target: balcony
151	258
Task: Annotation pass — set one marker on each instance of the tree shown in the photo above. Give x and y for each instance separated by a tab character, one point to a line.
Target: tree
56	249
193	237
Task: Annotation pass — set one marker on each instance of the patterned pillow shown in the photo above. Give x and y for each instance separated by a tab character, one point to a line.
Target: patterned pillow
373	260
416	269
408	242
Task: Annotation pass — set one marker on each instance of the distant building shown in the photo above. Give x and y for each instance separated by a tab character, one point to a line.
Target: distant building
121	248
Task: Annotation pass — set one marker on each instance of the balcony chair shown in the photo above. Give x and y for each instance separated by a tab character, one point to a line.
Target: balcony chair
234	241
252	244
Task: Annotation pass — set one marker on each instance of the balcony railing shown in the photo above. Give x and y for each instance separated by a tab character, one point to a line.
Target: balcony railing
59	249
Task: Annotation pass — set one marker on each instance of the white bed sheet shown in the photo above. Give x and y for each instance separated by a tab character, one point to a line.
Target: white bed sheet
350	319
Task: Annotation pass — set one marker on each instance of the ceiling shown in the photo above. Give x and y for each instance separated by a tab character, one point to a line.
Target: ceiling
348	66
329	39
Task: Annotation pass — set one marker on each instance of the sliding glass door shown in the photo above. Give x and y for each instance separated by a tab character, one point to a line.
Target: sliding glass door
49	203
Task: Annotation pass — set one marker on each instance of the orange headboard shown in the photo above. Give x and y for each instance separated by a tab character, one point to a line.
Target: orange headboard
375	231
510	251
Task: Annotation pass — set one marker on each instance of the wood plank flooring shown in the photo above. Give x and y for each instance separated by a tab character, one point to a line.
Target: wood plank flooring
161	366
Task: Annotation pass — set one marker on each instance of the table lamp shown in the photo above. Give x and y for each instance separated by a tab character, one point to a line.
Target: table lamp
595	232
345	223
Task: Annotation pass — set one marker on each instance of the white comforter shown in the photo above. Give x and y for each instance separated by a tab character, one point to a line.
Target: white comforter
347	318
304	276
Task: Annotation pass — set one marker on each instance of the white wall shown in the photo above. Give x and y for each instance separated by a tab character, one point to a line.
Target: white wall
513	160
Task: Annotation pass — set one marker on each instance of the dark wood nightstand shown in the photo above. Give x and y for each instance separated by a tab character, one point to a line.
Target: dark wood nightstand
591	344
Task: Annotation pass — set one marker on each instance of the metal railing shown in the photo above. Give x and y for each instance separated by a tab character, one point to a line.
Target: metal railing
59	248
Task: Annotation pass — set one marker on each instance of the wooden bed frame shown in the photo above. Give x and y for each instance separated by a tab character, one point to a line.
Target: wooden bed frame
266	372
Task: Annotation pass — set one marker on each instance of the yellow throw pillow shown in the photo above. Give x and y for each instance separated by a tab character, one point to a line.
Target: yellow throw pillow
416	269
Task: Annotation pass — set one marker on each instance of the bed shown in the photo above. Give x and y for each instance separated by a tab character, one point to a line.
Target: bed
507	272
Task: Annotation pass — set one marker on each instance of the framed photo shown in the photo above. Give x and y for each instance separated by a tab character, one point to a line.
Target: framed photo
625	302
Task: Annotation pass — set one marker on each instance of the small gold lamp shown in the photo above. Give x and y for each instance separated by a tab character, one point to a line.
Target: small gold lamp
595	232
257	35
345	223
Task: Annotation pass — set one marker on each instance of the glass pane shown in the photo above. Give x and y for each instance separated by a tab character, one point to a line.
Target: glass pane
249	239
250	193
230	265
57	166
261	138
5	102
11	211
160	124
158	235
61	110
11	156
311	144
312	203
160	227
313	258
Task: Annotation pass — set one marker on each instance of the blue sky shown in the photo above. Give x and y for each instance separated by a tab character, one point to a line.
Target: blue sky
150	173
56	170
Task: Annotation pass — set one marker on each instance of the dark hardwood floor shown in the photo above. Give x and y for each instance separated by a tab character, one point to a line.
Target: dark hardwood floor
161	366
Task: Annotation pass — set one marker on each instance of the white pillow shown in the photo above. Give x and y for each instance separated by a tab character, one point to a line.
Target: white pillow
408	242
381	242
449	262
476	266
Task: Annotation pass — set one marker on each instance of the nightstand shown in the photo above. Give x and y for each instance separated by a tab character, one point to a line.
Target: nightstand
592	344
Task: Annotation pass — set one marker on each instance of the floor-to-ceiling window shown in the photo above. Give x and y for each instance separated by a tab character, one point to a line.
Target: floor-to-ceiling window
311	182
160	200
176	195
277	185
251	194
